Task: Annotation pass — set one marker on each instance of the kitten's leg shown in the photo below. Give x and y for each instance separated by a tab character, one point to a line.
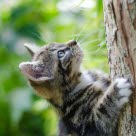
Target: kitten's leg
108	107
101	80
119	91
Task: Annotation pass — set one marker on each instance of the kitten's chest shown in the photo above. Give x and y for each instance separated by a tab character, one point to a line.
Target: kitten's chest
72	128
78	122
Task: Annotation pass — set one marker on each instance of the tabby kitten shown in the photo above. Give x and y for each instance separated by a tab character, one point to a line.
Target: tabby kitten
88	103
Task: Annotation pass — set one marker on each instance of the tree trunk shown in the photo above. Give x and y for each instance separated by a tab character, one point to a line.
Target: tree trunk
120	23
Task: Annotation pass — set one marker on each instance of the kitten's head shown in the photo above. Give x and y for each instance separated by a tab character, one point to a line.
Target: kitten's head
50	62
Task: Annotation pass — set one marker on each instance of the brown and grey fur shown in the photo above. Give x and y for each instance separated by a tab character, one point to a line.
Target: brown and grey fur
88	103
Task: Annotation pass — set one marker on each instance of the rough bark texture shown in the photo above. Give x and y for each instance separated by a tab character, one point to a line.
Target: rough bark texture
120	23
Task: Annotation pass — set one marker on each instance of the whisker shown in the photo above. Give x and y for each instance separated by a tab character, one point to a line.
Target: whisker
82	30
39	37
75	35
87	35
79	34
89	42
93	52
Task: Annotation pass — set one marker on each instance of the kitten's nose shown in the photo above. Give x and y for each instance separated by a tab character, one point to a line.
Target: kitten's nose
72	43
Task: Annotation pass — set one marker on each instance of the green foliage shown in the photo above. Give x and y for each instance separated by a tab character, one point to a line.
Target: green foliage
41	21
31	124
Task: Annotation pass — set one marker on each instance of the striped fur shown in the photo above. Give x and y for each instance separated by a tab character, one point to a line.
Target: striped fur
88	103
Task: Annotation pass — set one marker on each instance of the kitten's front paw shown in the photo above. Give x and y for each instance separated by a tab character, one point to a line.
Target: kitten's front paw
124	87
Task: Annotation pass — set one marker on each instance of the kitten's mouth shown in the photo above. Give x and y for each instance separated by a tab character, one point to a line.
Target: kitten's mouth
34	72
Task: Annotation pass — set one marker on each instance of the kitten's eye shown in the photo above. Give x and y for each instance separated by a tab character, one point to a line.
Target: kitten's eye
61	54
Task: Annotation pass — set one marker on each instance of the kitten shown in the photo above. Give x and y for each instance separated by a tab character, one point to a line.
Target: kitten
88	103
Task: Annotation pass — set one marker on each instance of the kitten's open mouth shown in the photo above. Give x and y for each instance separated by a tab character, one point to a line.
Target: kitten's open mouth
33	72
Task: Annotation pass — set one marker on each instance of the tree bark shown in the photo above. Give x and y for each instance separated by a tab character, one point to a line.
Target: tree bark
120	24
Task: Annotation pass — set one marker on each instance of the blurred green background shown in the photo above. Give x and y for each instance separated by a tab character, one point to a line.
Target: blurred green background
40	22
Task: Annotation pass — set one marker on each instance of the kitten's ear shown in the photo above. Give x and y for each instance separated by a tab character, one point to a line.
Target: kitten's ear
31	48
35	71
